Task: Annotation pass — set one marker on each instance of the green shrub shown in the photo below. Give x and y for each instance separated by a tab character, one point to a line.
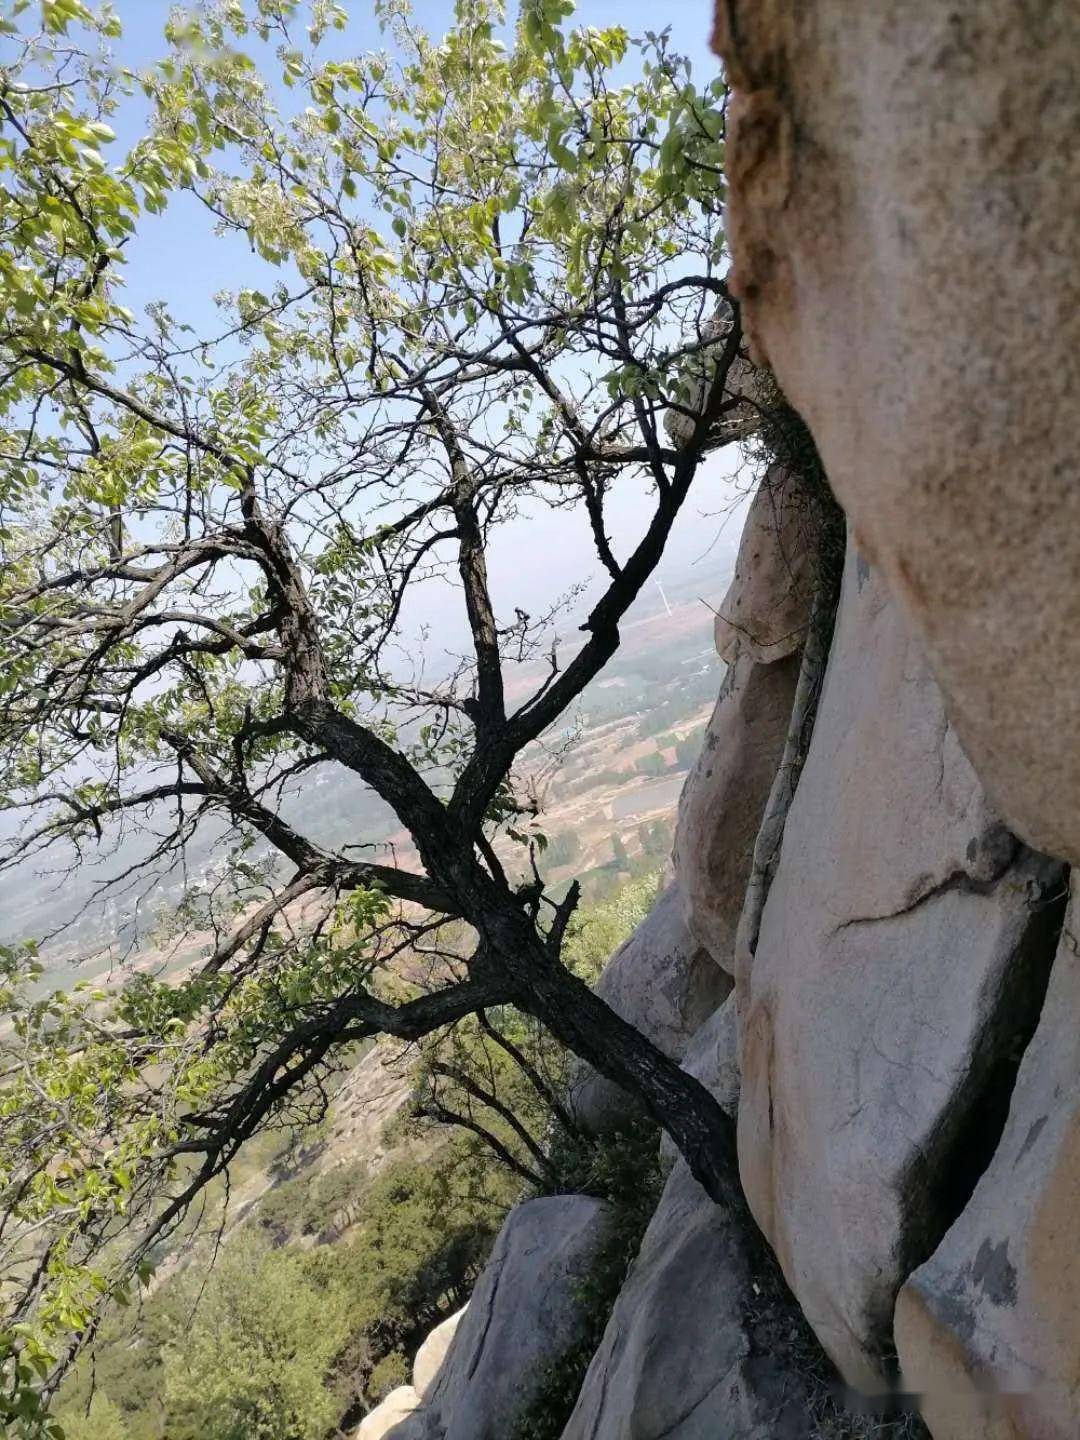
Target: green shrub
597	932
257	1360
390	1372
103	1420
306	1205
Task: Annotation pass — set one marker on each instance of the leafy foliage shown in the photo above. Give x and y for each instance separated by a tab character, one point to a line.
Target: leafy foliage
253	1363
391	1255
489	262
269	1337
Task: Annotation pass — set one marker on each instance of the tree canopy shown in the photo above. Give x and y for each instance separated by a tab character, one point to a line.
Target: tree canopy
495	284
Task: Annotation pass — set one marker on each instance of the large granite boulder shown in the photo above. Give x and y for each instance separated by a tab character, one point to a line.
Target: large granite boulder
524	1314
432	1353
394	1418
693	1350
664	984
902	958
988	1330
760	629
904	189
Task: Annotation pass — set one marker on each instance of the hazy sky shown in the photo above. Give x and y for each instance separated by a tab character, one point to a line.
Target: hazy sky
178	258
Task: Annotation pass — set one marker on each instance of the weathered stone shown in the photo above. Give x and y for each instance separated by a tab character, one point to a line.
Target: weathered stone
393	1418
680	1359
524	1313
722	801
902	957
663	983
760	629
373	1092
432	1353
989	1328
765	610
904	189
713	1058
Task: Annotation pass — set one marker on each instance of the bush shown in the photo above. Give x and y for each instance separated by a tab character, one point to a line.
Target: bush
390	1372
562	849
102	1421
597	933
418	1243
306	1206
653	764
275	1342
258	1357
280	1342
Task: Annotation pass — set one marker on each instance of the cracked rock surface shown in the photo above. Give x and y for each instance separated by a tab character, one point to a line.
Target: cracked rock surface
760	630
903	190
988	1330
903	955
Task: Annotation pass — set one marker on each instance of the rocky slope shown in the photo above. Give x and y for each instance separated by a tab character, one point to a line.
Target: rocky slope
906	1119
883	878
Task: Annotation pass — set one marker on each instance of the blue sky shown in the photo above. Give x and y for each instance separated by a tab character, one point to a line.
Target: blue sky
689	20
177	257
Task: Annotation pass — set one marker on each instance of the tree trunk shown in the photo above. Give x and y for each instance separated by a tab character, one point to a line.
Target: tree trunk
679	1104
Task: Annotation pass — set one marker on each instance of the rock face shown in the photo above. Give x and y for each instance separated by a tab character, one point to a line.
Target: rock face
904	185
903	954
524	1313
429	1358
724	796
760	629
662	982
764	613
374	1091
713	1058
394	1419
679	1359
989	1328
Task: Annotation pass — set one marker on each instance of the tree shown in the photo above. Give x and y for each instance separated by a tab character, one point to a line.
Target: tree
651	763
499	1078
656	839
688	747
489	268
257	1355
563	849
102	1421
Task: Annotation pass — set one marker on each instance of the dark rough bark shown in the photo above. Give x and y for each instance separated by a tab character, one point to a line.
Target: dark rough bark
678	1103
